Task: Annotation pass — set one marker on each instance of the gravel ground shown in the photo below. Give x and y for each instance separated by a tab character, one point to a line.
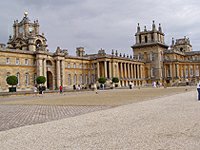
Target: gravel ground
168	123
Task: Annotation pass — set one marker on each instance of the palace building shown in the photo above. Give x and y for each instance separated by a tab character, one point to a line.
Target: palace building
26	55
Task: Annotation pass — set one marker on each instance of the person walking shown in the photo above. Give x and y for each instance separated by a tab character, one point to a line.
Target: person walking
61	89
35	90
198	90
95	88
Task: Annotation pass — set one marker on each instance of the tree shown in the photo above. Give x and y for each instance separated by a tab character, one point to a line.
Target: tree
102	80
12	80
115	80
40	80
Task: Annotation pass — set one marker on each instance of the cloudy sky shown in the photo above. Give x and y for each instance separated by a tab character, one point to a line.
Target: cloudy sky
107	24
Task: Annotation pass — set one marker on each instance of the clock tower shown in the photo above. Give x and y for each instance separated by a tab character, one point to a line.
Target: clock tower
26	35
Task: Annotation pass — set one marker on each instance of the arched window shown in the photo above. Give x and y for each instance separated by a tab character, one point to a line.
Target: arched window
38	44
49	63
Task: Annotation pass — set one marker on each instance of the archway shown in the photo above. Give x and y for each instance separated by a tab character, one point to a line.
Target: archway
49	80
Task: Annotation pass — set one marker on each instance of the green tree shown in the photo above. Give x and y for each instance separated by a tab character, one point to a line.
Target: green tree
40	80
115	80
102	80
12	80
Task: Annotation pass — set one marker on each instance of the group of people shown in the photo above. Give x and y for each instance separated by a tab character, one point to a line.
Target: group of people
156	84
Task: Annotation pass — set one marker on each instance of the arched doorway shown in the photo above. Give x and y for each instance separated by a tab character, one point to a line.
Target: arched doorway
49	80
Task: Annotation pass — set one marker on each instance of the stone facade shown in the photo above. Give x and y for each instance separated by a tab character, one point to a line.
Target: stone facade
26	56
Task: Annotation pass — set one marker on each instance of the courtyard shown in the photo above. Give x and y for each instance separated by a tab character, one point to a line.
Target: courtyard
143	118
17	111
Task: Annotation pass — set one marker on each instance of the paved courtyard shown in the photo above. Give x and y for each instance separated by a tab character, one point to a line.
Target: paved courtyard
17	111
165	123
12	116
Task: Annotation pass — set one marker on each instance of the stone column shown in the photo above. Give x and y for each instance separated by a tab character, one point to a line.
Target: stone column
45	70
39	67
131	65
188	71
129	74
117	70
121	67
105	69
178	73
113	70
141	71
194	70
138	71
98	70
125	70
63	73
110	70
171	70
122	75
135	76
185	75
58	73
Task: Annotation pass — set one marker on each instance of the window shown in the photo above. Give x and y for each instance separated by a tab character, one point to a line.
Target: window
26	61
18	78
74	65
186	72
146	39
152	38
140	38
152	72
34	62
68	65
7	60
17	61
69	79
197	71
80	79
75	79
151	56
93	78
27	79
81	66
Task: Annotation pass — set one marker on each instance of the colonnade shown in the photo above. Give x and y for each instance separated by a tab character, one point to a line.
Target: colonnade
175	70
126	71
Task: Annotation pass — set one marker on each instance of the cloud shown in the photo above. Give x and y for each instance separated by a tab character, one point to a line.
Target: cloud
108	24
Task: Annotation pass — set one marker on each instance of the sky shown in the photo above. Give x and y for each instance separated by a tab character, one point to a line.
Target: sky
107	24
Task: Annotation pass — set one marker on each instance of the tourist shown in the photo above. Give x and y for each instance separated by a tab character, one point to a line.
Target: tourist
61	89
154	84
35	90
198	90
95	88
